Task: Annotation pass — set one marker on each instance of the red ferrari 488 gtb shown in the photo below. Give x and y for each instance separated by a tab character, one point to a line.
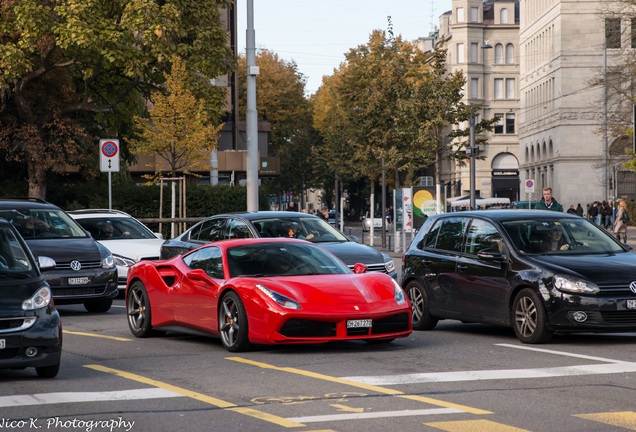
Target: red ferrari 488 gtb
265	291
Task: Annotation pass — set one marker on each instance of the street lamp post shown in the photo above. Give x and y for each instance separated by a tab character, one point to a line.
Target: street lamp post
472	152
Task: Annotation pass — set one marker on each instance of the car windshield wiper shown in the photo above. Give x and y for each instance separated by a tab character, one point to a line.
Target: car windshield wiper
19	275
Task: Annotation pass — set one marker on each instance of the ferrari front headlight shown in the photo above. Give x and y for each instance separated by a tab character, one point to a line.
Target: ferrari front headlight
398	292
280	299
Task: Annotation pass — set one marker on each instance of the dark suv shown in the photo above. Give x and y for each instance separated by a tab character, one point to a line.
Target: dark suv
30	327
78	269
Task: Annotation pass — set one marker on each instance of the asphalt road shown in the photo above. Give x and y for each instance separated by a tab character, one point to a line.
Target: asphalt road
456	378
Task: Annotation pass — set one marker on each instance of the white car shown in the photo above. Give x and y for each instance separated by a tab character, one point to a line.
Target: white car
128	239
367	220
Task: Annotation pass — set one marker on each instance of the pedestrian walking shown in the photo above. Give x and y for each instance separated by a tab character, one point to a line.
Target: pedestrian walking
621	222
548	202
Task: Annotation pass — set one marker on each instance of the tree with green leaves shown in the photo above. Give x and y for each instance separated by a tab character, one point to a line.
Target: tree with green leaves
178	129
72	71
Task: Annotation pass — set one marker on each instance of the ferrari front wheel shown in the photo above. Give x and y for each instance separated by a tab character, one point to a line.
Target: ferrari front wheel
233	323
138	311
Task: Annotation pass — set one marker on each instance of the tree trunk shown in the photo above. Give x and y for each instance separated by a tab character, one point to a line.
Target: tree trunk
37	177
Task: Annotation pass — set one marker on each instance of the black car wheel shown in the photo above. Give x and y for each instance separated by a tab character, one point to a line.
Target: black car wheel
422	318
98	306
138	311
233	323
530	319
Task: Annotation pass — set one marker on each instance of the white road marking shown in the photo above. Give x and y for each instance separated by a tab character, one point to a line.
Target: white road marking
609	367
370	415
74	397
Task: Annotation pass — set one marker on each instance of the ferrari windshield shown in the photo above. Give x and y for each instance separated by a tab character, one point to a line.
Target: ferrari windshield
560	236
282	259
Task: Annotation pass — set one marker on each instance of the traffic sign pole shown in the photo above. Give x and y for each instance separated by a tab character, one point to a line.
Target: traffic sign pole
109	162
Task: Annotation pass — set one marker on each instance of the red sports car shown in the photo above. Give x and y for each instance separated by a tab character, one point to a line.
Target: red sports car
265	291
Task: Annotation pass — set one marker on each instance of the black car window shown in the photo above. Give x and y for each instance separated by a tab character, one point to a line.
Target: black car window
212	230
207	259
482	235
450	234
238	229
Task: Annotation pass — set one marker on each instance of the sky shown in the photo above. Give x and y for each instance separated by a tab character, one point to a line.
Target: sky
316	34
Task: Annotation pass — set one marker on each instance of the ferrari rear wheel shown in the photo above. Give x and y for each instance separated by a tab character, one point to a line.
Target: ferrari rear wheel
422	318
138	311
233	323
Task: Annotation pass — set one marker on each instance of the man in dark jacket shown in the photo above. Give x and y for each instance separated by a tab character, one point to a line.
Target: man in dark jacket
548	202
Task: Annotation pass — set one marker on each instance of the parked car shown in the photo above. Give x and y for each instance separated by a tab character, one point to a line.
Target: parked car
376	220
265	291
128	239
82	271
277	224
30	326
539	272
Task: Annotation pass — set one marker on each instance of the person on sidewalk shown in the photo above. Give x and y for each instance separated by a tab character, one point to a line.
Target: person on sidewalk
548	202
621	221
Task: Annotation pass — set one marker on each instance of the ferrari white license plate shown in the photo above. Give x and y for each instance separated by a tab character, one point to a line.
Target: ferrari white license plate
3	343
78	281
631	304
358	323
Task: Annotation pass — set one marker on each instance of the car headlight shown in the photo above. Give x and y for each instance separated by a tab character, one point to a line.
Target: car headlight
398	292
389	265
108	262
574	285
123	261
41	298
282	300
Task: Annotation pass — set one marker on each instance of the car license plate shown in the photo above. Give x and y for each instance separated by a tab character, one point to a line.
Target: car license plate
358	323
78	281
3	343
631	304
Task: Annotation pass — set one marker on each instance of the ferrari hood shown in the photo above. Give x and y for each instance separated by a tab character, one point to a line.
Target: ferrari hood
333	289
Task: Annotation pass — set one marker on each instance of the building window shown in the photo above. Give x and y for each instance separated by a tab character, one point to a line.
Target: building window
612	32
499	125
499	88
510	88
510	53
505	123
503	16
460	53
510	123
474	88
459	15
474	49
474	14
498	54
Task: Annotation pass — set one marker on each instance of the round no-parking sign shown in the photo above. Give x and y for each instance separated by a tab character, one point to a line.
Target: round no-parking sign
109	155
529	186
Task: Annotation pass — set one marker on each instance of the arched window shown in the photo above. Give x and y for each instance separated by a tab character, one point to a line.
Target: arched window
510	53
499	54
503	16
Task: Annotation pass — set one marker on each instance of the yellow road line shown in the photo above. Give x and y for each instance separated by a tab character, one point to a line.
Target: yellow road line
474	426
199	396
120	339
625	419
369	387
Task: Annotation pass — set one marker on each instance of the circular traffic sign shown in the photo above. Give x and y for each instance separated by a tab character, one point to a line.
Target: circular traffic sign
529	183
109	149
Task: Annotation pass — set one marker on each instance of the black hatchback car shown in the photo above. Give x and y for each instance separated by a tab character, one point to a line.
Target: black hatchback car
539	272
77	268
30	326
279	224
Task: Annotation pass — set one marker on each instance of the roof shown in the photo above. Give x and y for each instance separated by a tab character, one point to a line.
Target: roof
509	214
